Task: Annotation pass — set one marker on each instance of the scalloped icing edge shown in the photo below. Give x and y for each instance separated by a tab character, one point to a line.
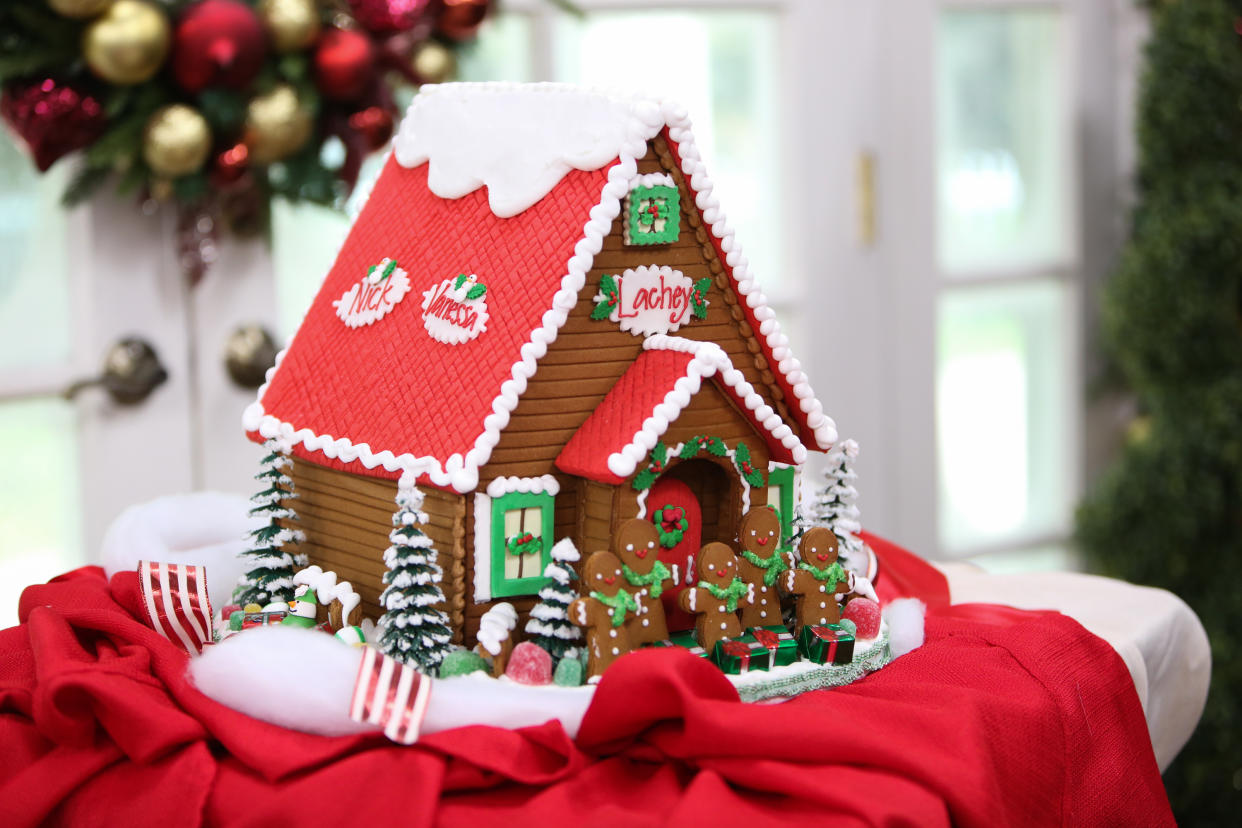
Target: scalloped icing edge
461	472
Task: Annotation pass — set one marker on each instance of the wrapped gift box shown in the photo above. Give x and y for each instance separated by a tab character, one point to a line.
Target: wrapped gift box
778	640
686	640
739	656
827	644
245	620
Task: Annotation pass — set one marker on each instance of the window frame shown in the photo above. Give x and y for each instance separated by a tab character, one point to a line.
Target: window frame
784	477
502	586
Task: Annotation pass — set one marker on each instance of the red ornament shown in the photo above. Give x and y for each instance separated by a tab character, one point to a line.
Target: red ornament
374	123
388	15
218	43
462	18
52	118
232	164
344	64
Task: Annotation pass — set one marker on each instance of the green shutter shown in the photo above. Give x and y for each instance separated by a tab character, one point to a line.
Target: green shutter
783	478
503	587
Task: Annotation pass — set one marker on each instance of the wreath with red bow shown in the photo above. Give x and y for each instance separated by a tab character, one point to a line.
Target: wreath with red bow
671	523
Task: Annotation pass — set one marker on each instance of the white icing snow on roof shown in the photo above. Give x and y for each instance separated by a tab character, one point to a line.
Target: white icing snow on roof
533	135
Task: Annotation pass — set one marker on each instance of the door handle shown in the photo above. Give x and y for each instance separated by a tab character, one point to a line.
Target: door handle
131	371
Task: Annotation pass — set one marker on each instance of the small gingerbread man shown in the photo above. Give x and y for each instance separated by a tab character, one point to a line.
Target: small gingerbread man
637	544
716	596
603	611
761	564
817	579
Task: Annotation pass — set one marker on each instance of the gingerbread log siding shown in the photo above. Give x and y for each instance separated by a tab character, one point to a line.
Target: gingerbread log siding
347	519
589	355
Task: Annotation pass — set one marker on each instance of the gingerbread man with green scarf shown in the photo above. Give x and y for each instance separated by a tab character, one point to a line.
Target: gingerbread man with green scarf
637	544
817	579
761	563
717	596
603	610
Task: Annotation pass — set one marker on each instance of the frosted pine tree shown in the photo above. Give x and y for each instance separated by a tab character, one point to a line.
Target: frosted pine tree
549	625
835	505
269	573
412	630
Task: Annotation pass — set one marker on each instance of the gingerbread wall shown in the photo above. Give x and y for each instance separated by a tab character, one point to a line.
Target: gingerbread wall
347	518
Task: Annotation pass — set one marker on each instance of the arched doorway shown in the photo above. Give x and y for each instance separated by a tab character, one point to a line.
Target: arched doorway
700	489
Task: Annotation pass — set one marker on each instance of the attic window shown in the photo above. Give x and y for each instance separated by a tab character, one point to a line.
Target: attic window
652	211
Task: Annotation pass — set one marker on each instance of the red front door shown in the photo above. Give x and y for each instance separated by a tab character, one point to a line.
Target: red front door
670	492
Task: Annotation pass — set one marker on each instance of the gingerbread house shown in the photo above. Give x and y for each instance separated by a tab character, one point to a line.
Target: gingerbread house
542	319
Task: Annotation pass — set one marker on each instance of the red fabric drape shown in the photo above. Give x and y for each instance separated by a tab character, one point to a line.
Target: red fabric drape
1003	717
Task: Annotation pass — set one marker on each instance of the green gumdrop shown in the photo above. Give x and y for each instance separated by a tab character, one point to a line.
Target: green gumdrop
462	662
850	626
568	673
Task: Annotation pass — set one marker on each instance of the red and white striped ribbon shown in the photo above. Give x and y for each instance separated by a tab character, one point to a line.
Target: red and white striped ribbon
177	604
392	695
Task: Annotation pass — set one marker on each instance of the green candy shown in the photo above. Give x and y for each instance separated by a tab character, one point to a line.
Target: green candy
569	673
461	663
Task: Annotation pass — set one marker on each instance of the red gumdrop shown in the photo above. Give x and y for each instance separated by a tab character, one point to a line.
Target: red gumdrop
865	614
529	664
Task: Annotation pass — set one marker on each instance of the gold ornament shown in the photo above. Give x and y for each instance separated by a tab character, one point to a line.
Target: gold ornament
434	62
294	24
78	9
176	141
127	43
277	125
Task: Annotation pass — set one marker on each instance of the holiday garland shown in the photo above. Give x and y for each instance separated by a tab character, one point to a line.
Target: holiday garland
714	446
653	580
620	604
218	106
524	544
730	594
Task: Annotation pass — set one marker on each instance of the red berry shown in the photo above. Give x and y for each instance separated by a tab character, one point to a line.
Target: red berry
865	614
529	664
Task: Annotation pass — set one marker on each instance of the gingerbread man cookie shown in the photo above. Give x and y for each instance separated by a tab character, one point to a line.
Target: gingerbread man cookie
603	611
817	579
637	544
716	596
761	564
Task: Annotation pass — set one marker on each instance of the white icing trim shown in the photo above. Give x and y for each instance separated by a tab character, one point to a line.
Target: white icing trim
709	360
526	485
482	548
461	473
652	180
673	451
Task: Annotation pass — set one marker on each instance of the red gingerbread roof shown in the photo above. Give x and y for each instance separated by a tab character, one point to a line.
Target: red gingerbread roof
386	398
651	394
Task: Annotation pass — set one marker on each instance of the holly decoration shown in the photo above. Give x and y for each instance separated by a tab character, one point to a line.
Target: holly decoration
606	301
698	299
712	445
659	462
671	524
130	83
524	544
741	459
476	290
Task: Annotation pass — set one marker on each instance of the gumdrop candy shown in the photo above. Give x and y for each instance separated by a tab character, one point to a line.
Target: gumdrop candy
849	626
461	662
529	664
569	672
865	614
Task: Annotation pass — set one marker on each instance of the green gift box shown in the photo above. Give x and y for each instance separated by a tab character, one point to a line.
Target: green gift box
686	640
780	641
737	656
827	644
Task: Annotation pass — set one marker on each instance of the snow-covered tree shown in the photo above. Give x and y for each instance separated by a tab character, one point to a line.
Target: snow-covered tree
835	505
270	562
412	630
549	625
